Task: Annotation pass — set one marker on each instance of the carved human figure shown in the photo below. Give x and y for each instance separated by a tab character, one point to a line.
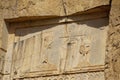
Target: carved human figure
78	52
46	45
84	50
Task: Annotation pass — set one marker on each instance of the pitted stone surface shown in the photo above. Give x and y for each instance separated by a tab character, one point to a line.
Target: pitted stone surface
69	48
113	43
22	8
74	6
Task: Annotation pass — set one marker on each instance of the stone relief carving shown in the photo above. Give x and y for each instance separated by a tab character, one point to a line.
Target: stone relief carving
52	52
78	51
47	40
84	50
36	53
84	47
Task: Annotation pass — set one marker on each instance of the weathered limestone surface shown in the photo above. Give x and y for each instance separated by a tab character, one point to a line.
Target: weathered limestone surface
83	76
59	49
3	32
41	51
21	8
2	57
40	7
43	8
113	43
74	6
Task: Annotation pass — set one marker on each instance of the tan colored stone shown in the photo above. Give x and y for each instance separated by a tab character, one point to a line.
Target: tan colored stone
0	77
46	8
74	6
22	8
6	77
54	49
39	8
3	35
2	56
113	43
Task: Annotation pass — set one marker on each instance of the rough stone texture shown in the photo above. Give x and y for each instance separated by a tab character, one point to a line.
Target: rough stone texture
58	59
113	43
54	50
74	6
84	76
40	7
3	32
2	55
22	8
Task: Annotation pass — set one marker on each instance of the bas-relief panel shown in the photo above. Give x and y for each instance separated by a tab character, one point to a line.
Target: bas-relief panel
37	50
59	49
86	44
